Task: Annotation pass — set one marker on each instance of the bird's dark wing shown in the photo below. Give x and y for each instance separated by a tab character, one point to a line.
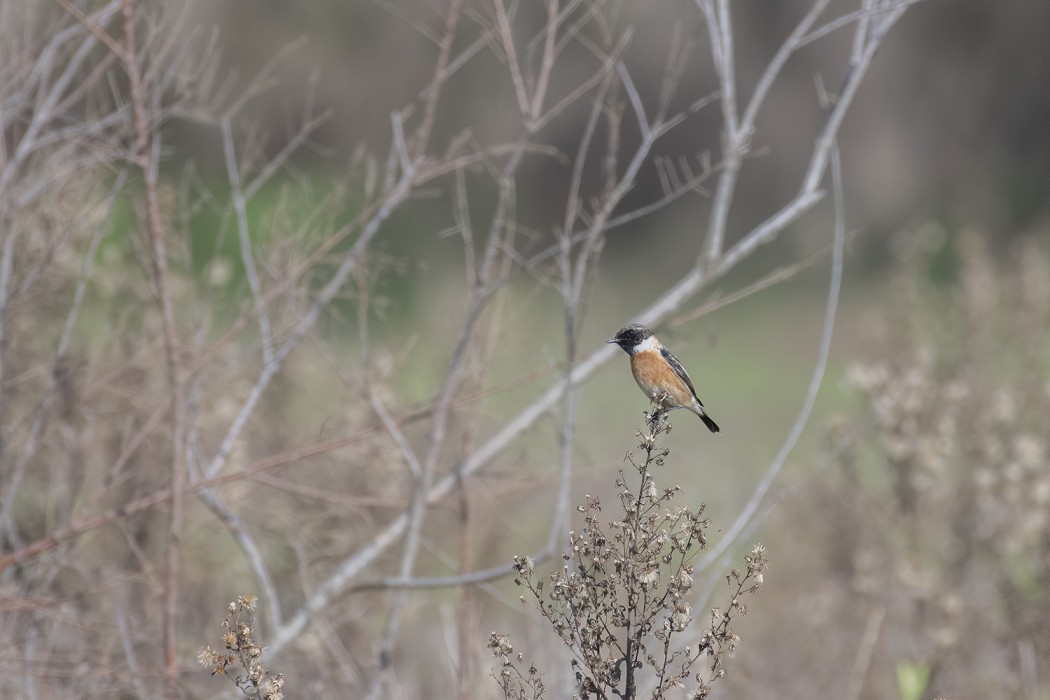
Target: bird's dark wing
680	371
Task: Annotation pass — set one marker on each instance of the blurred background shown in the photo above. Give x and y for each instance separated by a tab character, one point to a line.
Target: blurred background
375	282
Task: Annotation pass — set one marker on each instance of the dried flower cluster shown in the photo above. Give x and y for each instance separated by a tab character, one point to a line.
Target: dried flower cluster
241	651
948	416
621	603
515	684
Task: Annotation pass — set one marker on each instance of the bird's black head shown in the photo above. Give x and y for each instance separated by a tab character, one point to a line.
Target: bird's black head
630	336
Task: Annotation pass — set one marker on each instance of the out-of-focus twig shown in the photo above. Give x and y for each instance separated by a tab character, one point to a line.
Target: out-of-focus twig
864	652
145	156
776	277
240	207
720	34
731	536
12	481
151	500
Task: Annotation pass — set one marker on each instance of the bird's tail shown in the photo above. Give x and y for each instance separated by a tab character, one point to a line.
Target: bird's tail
711	425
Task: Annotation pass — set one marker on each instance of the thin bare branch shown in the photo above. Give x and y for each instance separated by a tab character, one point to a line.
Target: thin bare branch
145	154
240	207
13	480
421	138
635	98
44	112
395	432
793	43
393	199
547	62
151	500
92	26
779	275
233	523
6	265
737	137
731	536
864	652
513	65
858	68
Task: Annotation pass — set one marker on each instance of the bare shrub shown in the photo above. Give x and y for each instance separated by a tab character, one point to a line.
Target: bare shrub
622	602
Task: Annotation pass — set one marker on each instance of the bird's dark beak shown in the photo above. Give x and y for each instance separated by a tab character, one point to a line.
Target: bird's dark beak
611	340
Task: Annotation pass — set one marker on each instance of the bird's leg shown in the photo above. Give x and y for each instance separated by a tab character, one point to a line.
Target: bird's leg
663	402
660	409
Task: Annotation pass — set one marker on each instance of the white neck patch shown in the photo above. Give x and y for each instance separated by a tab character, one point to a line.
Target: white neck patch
650	343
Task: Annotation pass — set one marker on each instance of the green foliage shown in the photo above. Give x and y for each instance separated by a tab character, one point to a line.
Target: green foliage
912	679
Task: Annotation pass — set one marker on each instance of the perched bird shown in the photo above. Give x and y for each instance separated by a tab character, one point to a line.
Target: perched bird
659	373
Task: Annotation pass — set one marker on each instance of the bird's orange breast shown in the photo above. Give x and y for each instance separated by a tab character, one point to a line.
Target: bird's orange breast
656	378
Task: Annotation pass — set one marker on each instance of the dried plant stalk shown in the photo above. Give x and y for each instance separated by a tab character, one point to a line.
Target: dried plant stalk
621	603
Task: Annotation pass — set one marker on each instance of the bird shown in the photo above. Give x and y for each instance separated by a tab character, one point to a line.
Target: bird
660	374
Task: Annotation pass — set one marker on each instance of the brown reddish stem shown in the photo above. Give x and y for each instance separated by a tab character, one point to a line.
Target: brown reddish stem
144	157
